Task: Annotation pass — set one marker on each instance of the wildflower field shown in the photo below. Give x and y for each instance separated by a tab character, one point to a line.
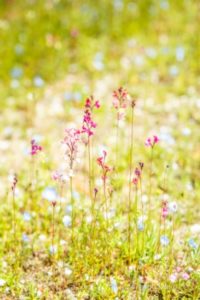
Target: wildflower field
99	149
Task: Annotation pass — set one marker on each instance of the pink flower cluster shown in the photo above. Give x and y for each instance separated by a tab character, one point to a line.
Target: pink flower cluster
120	101
151	142
88	123
70	141
57	176
90	103
102	163
120	98
138	173
179	274
35	148
165	210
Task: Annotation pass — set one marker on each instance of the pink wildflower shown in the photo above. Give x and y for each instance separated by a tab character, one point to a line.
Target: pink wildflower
105	168
138	173
88	123
90	103
57	176
165	210
120	98
70	142
35	148
151	142
173	277
135	181
185	276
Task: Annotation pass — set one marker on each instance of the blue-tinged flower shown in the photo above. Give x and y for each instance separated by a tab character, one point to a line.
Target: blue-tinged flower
52	249
192	244
140	225
67	221
180	53
173	70
25	238
16	72
114	286
50	194
27	216
38	81
68	96
164	240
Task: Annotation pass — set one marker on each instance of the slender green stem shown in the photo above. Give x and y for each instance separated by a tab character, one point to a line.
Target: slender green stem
53	228
150	185
137	242
89	169
14	217
105	200
116	146
142	206
136	213
130	185
72	205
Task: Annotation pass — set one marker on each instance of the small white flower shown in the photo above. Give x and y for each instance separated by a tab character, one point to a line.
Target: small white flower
164	240
89	219
173	277
49	194
67	271
2	282
173	207
62	242
131	268
42	237
52	249
157	257
26	216
195	228
67	220
68	209
144	199
114	286
39	294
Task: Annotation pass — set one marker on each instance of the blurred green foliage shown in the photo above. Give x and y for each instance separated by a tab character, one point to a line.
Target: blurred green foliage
42	41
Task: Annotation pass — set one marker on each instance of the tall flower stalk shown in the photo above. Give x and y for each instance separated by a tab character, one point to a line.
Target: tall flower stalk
120	99
88	128
70	143
13	187
59	177
35	150
130	174
105	169
151	142
136	180
53	246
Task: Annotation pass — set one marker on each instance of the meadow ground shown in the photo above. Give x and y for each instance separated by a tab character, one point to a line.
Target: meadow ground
99	212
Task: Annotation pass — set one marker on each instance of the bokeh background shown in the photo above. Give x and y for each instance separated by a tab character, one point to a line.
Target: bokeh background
55	53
